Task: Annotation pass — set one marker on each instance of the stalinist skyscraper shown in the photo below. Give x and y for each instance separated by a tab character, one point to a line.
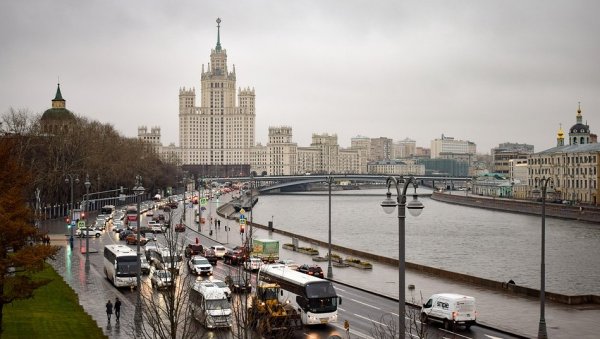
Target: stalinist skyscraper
218	132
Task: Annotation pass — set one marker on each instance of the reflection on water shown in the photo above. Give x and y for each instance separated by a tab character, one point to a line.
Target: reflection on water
483	243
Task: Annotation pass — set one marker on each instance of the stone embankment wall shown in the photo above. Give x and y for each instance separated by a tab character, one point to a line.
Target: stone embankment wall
228	211
579	212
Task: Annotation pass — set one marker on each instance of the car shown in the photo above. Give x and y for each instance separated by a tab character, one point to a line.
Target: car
145	265
150	213
222	285
253	264
210	255
180	228
234	257
219	250
150	237
155	227
100	224
314	270
199	265
132	240
193	249
291	264
160	278
118	226
124	233
238	284
88	232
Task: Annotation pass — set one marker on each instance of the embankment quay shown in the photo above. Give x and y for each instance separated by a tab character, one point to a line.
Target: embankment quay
574	212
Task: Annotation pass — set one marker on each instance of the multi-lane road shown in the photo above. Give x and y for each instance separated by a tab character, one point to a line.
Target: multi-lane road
368	314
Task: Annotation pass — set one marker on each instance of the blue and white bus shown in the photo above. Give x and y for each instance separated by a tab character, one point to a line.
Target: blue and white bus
315	297
120	265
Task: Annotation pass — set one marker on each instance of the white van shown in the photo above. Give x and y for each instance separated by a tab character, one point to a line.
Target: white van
450	309
210	305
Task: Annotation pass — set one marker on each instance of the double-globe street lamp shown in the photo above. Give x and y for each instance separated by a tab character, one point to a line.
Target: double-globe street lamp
71	179
543	184
415	207
138	190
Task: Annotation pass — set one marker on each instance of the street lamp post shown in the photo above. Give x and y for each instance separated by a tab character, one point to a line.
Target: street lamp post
329	268
543	182
71	178
87	185
415	207
138	190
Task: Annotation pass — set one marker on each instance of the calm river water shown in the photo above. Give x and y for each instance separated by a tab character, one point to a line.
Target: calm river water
483	243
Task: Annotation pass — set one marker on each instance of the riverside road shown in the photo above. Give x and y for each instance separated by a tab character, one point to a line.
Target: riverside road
360	308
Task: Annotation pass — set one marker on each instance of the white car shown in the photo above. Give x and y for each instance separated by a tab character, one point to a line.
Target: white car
93	232
253	264
219	250
160	278
155	227
222	285
118	226
199	265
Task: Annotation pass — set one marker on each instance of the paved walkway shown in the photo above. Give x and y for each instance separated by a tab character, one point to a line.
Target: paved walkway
93	289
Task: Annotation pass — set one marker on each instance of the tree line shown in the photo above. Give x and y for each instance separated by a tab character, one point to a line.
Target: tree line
88	147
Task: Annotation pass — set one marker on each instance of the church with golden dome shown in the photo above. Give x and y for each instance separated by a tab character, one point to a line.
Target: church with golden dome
573	167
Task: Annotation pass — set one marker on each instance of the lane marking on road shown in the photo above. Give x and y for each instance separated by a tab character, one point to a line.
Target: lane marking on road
371	320
455	334
353	332
491	336
362	303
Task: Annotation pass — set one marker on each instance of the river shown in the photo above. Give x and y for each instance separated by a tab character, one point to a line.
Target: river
479	242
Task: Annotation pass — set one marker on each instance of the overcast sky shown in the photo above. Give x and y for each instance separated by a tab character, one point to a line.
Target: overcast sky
485	71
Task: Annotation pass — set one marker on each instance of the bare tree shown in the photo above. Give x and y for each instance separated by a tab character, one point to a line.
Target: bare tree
387	326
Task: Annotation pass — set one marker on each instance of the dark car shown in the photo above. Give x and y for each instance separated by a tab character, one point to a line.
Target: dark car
193	249
238	284
180	228
124	233
234	257
313	270
210	256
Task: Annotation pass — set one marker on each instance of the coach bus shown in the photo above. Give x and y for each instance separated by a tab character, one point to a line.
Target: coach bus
120	265
315	297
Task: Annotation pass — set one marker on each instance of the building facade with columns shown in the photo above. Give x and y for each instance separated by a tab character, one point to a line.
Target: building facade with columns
573	168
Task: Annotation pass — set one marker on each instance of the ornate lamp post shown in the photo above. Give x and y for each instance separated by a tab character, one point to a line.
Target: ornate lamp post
543	183
138	190
87	185
71	178
415	207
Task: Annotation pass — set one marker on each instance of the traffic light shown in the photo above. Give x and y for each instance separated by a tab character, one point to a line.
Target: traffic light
68	220
242	228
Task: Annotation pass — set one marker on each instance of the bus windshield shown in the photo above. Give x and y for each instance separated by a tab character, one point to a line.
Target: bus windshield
218	304
322	305
126	266
320	289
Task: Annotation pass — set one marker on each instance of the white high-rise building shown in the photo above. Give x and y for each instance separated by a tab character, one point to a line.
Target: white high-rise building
450	146
219	131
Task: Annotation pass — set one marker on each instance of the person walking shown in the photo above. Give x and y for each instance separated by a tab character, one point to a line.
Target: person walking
117	308
109	309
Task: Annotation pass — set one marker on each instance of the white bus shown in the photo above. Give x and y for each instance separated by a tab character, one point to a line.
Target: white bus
120	265
314	297
109	210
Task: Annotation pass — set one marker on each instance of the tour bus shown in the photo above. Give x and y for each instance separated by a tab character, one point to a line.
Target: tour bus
210	305
108	210
131	216
120	265
314	297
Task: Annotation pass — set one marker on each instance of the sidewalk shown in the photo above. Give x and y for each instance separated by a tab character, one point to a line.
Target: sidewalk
500	310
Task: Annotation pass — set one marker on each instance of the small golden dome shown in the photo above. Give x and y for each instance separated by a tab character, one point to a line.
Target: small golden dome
561	133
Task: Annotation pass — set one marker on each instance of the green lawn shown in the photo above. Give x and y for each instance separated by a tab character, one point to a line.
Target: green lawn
54	312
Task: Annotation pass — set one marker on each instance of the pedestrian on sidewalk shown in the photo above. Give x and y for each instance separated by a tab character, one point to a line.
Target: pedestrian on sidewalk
109	309
117	308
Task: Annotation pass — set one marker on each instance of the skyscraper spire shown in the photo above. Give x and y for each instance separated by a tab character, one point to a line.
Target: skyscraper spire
218	34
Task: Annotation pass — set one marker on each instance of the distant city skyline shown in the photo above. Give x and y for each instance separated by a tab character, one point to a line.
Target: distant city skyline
488	72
